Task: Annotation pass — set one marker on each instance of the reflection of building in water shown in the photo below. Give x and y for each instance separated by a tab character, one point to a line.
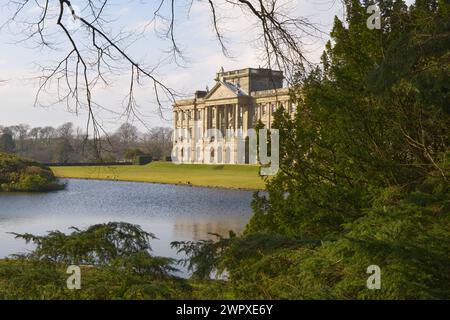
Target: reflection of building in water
239	100
198	229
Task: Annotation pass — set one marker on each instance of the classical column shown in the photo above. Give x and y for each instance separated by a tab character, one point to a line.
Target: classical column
175	119
225	119
236	117
203	115
204	119
208	118
236	137
188	115
245	120
217	118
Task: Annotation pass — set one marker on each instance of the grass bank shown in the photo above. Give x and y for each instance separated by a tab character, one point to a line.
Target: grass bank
221	176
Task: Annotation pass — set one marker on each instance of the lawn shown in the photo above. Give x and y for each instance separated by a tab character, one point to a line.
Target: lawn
223	176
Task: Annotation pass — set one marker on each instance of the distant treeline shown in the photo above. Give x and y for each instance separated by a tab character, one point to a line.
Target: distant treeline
68	145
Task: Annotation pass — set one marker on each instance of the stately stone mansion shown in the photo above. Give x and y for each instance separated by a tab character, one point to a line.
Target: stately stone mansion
214	125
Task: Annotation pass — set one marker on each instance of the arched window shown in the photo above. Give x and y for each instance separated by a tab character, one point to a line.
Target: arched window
212	155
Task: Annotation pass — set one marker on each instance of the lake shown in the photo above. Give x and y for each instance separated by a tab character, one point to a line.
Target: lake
171	212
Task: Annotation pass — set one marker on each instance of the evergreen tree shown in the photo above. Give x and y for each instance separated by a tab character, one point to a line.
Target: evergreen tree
368	120
364	170
7	143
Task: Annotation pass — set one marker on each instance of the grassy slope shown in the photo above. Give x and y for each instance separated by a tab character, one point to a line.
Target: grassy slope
225	176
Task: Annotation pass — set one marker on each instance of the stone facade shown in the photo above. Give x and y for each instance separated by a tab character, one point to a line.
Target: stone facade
211	126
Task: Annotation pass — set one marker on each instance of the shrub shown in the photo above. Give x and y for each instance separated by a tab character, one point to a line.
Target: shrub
17	174
115	261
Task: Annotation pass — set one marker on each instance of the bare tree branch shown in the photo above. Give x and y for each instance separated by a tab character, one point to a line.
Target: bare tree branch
87	64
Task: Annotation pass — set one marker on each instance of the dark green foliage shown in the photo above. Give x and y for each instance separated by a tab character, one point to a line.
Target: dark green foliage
143	160
364	170
39	280
17	174
21	279
7	143
366	123
406	235
97	245
408	238
203	255
115	261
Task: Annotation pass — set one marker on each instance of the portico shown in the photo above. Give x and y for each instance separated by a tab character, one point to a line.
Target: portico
214	124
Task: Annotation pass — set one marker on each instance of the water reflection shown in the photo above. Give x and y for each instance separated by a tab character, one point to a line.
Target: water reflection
172	213
201	230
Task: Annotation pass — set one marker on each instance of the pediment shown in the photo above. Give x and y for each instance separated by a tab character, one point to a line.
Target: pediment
221	91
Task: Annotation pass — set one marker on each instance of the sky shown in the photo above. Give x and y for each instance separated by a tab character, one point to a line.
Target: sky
202	53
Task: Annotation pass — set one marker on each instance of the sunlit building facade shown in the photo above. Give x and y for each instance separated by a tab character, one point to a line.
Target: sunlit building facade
214	125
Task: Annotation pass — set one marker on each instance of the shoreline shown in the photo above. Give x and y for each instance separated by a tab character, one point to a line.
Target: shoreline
163	183
219	177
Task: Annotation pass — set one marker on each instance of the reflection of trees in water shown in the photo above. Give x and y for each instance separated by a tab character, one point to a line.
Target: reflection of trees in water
200	228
